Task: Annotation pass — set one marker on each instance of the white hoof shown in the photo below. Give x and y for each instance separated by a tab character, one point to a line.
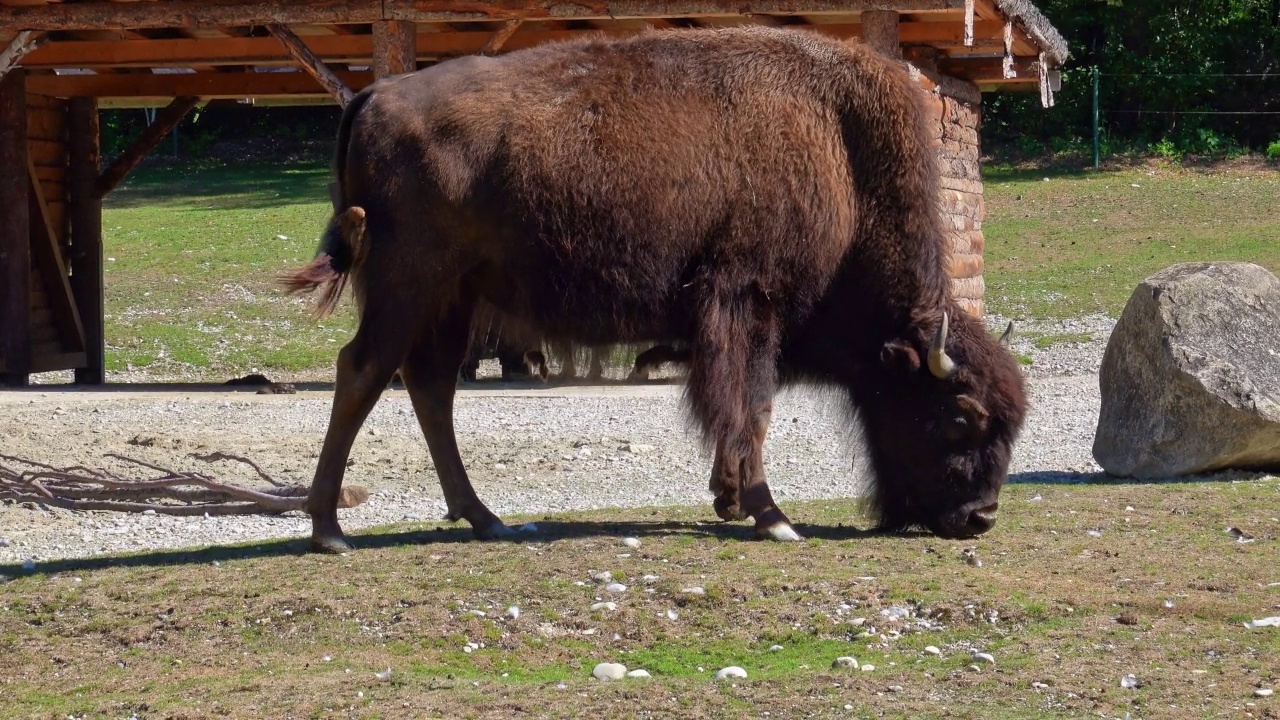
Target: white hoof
783	532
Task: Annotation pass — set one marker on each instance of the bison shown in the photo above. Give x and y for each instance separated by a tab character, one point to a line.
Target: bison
766	197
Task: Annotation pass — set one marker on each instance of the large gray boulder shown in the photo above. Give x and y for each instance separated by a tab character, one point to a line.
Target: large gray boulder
1191	376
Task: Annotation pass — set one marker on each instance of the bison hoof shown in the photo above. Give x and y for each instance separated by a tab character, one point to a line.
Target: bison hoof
782	532
493	531
330	544
728	510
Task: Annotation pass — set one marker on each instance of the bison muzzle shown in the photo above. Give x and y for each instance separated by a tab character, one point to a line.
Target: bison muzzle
766	198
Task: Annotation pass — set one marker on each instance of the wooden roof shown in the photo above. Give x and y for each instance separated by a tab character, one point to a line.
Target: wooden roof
146	52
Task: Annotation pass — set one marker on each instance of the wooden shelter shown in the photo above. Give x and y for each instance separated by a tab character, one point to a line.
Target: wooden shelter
62	61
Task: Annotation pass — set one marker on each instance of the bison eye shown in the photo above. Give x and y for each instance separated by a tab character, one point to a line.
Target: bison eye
955	428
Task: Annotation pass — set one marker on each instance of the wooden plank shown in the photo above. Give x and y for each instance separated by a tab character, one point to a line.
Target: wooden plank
38	101
394	48
57	361
103	15
46	250
500	36
312	64
204	85
15	244
359	48
85	209
166	120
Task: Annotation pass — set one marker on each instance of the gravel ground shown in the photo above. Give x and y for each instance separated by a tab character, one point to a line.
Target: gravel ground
528	449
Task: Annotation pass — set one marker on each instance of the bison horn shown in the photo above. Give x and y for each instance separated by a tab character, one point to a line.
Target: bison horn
939	363
1008	334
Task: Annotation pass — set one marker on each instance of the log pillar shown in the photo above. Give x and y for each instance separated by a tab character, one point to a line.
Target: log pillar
395	49
85	212
880	31
15	232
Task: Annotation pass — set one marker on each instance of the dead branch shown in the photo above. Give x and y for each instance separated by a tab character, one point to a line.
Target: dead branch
174	492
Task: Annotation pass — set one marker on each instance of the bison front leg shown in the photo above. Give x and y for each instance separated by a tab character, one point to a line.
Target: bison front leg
429	374
732	378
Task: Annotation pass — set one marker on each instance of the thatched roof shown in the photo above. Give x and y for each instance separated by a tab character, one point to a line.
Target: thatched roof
1037	26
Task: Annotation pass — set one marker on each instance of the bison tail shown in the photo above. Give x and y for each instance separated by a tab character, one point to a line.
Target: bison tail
342	250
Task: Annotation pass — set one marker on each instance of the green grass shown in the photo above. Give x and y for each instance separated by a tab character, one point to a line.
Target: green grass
193	255
1063	244
249	635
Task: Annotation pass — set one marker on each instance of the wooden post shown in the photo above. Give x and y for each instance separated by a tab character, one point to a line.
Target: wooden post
880	31
15	231
85	210
395	48
501	36
312	64
21	44
166	120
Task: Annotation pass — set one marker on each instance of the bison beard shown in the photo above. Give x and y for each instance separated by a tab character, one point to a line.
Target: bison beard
765	198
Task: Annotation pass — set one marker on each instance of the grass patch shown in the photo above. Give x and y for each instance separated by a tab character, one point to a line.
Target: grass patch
1064	244
267	631
1044	342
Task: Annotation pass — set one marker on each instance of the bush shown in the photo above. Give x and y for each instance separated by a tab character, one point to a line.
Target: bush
1273	150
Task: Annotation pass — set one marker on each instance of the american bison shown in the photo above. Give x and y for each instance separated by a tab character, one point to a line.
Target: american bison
766	197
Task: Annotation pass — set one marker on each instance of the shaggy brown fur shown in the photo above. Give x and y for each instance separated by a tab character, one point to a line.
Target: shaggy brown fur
765	196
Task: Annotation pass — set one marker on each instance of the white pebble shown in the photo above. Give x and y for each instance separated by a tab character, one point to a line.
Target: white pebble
1129	681
672	615
615	587
1039	685
384	675
845	661
775	648
932	650
868	668
602	577
604	606
733	671
638	674
984	657
477	613
631	542
695	590
650	578
513	612
609	671
1263	692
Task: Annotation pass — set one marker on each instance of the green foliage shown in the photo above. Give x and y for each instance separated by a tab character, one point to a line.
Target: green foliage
1170	80
1273	150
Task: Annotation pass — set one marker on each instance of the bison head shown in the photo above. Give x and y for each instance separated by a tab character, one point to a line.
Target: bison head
940	412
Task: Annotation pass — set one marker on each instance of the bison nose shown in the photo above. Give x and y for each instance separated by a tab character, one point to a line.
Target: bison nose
982	519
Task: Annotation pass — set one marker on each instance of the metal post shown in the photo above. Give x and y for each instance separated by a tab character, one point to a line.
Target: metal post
1096	149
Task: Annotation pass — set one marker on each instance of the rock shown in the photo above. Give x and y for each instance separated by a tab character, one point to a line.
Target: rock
615	587
604	606
513	612
1273	621
844	661
638	674
775	648
1190	378
733	671
932	650
631	542
1129	682
695	590
1263	692
636	448
603	577
984	657
1037	685
609	671
4	542
867	668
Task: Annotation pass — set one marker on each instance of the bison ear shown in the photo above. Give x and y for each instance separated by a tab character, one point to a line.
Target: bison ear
976	413
899	356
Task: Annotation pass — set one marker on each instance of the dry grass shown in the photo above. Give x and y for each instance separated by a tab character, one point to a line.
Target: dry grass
176	635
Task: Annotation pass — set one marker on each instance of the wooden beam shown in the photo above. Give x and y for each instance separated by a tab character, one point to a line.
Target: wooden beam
104	15
204	85
989	70
501	36
394	47
46	245
84	208
166	120
21	44
358	49
15	231
880	31
312	64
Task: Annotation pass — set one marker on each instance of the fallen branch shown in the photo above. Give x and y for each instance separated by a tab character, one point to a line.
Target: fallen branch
174	492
